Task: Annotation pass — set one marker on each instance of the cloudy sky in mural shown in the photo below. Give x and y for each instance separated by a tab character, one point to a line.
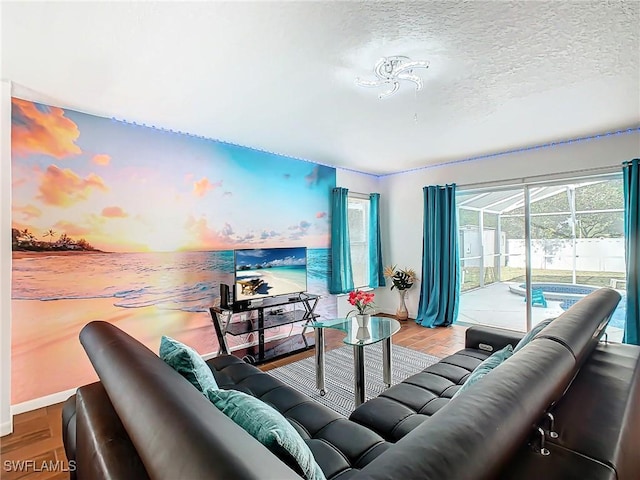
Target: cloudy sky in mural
127	188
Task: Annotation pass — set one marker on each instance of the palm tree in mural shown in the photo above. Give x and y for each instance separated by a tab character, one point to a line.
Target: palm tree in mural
28	237
49	233
64	240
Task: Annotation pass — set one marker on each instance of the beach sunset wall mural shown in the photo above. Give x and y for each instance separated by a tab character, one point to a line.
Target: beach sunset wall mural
137	226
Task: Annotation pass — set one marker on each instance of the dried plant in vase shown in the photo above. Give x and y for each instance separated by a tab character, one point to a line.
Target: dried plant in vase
402	280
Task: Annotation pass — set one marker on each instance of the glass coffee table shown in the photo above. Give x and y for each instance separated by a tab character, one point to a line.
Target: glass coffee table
380	329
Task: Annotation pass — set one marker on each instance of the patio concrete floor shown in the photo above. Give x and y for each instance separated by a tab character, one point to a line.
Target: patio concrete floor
496	306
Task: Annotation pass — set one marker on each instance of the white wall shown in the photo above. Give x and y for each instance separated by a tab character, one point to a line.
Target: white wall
357	182
6	424
404	200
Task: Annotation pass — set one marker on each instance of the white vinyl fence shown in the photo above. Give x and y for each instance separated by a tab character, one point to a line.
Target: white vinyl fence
592	254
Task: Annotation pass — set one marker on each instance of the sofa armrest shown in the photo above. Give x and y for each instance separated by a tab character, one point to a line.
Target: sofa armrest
104	449
175	430
69	427
491	339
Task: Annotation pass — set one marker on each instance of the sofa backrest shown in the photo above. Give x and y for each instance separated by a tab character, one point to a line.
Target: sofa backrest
475	434
581	327
176	431
597	422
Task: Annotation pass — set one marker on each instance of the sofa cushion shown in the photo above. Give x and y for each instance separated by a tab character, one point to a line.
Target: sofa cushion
405	406
188	363
341	447
495	360
269	427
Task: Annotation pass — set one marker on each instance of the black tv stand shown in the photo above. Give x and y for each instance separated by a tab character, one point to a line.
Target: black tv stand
243	318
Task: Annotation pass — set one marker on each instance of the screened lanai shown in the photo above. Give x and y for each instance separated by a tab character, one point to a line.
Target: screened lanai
573	244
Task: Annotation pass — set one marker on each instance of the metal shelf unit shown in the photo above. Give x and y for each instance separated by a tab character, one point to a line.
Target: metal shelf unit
245	318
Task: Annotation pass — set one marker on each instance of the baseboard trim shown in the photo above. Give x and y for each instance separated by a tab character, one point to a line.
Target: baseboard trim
209	356
6	428
41	402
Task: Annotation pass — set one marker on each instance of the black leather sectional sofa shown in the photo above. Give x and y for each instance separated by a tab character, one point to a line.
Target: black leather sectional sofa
566	406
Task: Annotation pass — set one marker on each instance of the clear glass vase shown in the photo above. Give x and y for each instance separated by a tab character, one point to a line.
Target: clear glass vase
363	319
402	313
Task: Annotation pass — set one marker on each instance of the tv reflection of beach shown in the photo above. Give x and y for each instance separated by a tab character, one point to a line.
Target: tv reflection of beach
275	281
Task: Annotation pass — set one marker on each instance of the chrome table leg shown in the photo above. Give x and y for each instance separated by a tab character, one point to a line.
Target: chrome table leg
319	334
358	370
386	361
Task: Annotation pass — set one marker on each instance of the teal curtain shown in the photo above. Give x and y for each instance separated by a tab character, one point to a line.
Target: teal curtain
341	273
376	268
631	179
440	288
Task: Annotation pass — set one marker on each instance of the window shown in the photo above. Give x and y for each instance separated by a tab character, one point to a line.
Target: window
358	213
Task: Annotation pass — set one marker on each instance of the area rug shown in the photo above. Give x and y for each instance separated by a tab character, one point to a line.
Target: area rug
301	375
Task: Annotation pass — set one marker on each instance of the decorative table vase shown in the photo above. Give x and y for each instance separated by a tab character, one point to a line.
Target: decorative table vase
363	319
363	333
402	313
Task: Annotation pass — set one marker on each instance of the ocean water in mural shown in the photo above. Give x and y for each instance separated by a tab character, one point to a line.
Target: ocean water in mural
184	281
137	227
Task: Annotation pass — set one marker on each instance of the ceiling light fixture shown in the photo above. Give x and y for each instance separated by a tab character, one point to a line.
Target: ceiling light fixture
390	70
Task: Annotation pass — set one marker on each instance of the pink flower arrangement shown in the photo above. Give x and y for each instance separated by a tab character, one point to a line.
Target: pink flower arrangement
363	301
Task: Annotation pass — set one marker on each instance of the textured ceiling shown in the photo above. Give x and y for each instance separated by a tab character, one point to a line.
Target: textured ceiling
279	76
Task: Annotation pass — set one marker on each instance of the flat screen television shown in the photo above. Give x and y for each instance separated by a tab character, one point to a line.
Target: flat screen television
269	272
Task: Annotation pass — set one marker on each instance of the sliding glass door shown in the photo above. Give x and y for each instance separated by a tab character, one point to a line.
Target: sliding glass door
492	258
575	245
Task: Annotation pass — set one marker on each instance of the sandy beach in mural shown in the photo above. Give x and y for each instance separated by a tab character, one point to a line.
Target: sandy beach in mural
48	357
47	354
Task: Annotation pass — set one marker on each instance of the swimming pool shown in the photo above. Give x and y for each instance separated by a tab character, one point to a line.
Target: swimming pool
568	294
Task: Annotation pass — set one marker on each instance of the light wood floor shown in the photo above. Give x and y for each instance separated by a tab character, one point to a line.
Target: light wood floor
37	435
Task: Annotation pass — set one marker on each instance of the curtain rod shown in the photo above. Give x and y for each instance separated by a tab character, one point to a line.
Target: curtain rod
363	196
541	178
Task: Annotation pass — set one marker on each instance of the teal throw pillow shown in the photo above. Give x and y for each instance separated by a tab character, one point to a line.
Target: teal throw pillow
268	426
188	363
485	367
532	333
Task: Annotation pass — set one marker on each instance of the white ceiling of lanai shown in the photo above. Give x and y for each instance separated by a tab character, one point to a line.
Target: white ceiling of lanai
280	76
